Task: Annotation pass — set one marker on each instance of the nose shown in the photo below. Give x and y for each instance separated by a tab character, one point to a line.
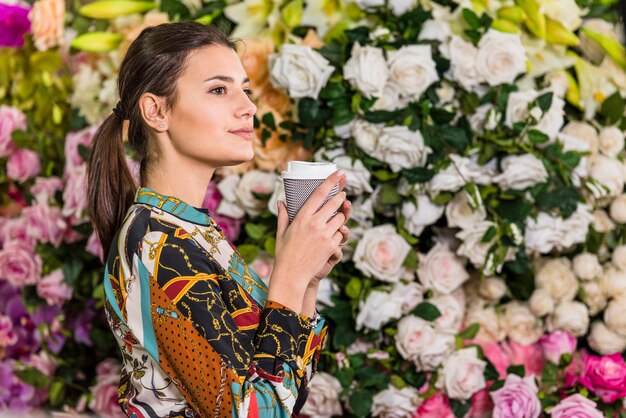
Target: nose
246	108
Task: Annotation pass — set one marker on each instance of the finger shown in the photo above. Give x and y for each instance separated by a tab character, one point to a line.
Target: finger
346	234
333	205
336	222
336	239
336	257
317	197
283	219
347	209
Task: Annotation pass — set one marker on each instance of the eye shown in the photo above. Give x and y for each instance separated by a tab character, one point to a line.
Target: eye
219	90
248	92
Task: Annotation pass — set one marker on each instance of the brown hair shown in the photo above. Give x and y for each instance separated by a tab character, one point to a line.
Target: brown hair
153	64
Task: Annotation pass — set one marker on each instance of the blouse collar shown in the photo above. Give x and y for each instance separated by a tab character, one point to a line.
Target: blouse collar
173	205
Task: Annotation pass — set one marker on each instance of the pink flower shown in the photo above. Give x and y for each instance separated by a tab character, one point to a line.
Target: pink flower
481	406
8	336
45	188
19	265
230	226
75	196
437	406
16	229
517	398
212	198
83	137
105	399
530	356
45	223
94	246
108	367
23	164
556	344
53	289
11	119
576	406
43	362
605	376
497	357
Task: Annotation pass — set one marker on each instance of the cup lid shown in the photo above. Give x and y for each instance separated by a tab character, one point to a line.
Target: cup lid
309	170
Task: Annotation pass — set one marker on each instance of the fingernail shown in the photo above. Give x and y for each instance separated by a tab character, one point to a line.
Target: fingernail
341	173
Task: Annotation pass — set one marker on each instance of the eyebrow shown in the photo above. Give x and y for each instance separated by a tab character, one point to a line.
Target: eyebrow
226	79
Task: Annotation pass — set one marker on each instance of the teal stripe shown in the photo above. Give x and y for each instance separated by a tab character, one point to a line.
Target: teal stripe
149	338
108	291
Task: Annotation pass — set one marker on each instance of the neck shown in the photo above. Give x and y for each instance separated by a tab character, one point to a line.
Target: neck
183	183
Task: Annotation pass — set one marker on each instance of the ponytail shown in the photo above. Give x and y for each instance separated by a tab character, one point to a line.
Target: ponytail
111	188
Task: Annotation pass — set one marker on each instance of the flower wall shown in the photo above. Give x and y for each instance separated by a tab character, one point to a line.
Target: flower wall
484	147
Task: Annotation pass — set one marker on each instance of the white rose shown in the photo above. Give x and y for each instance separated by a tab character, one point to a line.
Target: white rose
366	70
593	297
400	7
557	277
435	30
254	182
501	57
300	70
445	93
323	399
462	374
378	309
492	288
617	210
572	316
327	289
414	334
478	118
566	12
437	351
615	316
605	341
441	270
366	135
369	4
619	257
613	282
543	233
520	324
460	171
412	69
390	99
381	252
571	143
357	176
586	266
420	216
584	132
278	194
472	246
396	403
590	48
452	312
574	229
521	172
461	215
410	293
463	63
601	222
517	106
557	82
553	119
229	205
487	318
401	148
611	141
541	303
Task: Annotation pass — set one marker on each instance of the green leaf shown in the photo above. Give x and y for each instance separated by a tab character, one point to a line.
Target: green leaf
361	403
426	311
489	234
270	246
537	137
248	252
517	369
469	332
34	377
380	116
443	198
268	120
418	174
496	385
545	101
57	393
72	268
490	372
255	231
459	408
353	288
389	195
455	137
613	108
310	113
549	375
471	18
411	262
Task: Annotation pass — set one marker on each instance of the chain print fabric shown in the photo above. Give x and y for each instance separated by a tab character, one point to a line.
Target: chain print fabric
197	334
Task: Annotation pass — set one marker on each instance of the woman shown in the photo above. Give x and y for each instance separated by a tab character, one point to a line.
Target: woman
200	334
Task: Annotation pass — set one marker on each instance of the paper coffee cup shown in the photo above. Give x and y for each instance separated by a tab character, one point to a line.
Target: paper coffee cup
301	179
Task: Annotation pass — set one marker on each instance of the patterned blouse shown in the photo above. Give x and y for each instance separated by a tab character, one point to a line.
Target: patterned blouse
198	336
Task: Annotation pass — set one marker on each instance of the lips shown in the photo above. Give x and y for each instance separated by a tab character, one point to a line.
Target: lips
246	133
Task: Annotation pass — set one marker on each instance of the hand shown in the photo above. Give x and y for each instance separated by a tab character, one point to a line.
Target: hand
337	256
306	245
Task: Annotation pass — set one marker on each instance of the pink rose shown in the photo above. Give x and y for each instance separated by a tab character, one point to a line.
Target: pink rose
212	198
83	137
605	376
437	406
23	164
575	368
94	246
556	344
517	398
481	406
497	357
105	398
45	188
53	289
45	223
230	226
11	119
19	265
107	368
8	336
576	406
16	229
75	196
530	356
43	362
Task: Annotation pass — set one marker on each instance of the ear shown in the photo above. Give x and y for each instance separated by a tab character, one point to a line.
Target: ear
153	111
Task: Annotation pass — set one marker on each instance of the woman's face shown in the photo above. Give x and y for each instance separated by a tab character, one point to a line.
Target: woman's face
211	122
